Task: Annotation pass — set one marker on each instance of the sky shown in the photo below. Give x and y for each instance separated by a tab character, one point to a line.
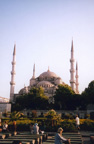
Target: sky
43	31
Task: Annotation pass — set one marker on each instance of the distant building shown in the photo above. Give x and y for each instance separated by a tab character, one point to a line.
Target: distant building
48	80
2	99
5	106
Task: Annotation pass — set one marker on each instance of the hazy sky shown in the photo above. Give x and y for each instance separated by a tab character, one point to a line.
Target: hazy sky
43	31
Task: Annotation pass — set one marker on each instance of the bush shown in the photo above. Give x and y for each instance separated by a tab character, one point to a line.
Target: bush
67	116
87	116
87	125
68	126
51	122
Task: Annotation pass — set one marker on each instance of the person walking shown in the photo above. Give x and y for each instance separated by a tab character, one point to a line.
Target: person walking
59	139
77	122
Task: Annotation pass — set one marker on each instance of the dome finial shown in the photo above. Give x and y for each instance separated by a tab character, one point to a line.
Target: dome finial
48	69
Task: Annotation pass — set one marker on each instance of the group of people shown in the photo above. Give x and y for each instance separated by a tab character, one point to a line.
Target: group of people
59	139
34	129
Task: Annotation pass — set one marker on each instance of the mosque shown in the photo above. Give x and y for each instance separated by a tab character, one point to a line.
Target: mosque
48	80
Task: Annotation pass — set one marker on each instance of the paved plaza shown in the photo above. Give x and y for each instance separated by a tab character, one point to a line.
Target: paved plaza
86	136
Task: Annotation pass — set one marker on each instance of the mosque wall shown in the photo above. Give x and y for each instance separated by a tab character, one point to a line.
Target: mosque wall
81	113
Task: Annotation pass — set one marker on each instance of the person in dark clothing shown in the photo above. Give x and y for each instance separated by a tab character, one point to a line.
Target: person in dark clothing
59	139
14	126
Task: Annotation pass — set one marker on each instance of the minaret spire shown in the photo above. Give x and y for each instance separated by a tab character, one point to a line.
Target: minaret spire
12	83
72	81
33	72
77	84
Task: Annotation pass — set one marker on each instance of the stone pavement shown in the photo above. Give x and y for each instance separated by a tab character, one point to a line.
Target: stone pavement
86	136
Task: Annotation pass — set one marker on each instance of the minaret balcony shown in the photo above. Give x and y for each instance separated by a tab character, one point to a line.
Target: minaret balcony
72	70
12	83
13	72
13	63
77	83
72	81
72	60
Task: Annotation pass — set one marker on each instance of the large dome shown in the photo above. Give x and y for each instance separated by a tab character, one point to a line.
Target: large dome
48	74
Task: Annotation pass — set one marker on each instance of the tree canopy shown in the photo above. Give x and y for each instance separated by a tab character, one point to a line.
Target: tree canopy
35	99
63	97
88	94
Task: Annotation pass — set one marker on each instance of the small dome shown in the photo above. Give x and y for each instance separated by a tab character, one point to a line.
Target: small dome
23	90
45	84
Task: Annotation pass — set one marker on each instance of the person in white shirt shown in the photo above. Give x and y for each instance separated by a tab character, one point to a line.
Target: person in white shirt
5	127
77	122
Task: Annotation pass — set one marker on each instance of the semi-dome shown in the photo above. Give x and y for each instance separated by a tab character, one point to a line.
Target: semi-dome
58	81
48	74
45	84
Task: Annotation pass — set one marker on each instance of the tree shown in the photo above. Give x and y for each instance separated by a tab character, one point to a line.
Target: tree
35	99
88	94
38	100
64	97
52	117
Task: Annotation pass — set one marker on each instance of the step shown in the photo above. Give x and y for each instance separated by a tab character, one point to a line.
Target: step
10	142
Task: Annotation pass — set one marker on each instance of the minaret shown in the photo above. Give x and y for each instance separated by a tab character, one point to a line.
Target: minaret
12	83
72	81
33	72
76	83
32	80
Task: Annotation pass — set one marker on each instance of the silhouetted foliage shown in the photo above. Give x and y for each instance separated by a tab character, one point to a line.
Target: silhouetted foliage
64	97
88	95
35	99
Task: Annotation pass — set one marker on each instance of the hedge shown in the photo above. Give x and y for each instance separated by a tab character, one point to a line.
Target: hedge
51	125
